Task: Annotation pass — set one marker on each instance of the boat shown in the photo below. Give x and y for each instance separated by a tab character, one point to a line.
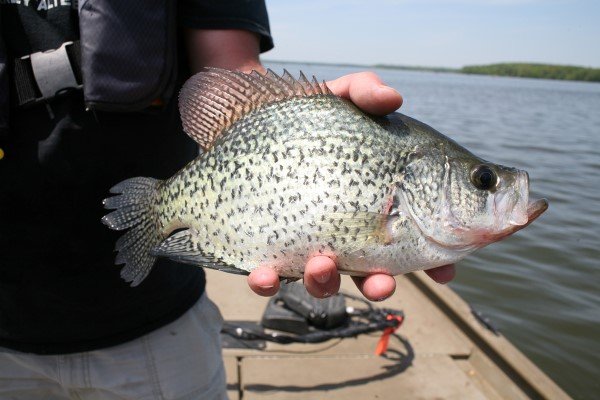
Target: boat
442	350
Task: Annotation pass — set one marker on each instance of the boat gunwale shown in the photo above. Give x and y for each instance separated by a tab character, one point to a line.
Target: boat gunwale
520	369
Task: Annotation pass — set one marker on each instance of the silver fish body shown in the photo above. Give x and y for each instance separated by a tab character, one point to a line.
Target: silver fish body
306	174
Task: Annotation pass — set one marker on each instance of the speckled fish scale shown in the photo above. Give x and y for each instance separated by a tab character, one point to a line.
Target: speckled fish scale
288	171
258	194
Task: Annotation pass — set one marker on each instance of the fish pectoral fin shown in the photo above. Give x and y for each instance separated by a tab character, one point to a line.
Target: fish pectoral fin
353	231
182	247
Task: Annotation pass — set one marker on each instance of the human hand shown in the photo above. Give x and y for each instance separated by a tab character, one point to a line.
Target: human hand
321	278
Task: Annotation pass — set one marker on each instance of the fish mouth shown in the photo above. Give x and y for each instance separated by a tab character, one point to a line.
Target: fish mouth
483	238
535	208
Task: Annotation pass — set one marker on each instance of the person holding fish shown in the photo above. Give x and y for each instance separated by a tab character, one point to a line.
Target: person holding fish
93	102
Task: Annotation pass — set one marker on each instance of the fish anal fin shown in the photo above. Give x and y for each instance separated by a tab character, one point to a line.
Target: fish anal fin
182	247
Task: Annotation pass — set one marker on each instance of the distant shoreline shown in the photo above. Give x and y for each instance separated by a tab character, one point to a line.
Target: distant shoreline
517	70
539	71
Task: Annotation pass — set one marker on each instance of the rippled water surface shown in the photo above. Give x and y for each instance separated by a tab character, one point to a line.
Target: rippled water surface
540	287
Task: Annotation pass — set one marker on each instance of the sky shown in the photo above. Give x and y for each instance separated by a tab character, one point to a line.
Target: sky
436	33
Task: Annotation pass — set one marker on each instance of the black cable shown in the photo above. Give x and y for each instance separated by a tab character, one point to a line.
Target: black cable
376	319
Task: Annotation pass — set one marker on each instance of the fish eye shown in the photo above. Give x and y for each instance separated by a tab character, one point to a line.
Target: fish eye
483	177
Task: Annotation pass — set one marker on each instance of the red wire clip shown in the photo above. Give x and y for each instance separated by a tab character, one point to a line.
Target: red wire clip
382	345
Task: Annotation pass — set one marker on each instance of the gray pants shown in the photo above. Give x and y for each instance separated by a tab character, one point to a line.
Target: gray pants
181	360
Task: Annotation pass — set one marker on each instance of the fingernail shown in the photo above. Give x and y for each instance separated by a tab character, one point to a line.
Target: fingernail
265	277
323	276
382	298
266	286
387	89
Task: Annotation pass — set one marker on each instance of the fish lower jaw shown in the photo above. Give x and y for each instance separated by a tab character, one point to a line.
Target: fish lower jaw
474	239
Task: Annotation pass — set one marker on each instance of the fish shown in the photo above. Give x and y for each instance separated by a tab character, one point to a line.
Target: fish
288	170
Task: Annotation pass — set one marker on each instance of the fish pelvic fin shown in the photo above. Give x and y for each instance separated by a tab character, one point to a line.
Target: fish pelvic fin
214	99
135	209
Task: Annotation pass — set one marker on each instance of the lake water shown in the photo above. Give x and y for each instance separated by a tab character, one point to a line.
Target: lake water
539	287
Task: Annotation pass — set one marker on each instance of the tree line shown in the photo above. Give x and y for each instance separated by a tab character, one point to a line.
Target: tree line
544	71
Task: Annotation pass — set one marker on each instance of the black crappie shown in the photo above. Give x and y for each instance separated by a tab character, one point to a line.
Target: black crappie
291	171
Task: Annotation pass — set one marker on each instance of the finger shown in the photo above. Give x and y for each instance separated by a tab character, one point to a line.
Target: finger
263	281
368	92
443	274
376	287
321	277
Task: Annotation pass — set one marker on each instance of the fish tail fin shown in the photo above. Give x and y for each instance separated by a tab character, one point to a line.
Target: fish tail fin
135	208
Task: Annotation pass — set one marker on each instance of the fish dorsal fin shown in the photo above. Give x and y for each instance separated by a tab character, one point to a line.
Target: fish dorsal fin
214	99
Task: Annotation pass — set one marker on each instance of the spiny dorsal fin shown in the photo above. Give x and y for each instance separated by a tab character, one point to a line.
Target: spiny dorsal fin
214	99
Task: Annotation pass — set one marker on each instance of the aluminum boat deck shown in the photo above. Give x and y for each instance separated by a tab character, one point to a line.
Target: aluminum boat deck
445	353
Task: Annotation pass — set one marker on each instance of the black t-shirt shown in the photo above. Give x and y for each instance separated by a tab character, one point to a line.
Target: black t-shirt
60	291
37	25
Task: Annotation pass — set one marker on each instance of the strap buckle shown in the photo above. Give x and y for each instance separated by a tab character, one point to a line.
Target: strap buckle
53	74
